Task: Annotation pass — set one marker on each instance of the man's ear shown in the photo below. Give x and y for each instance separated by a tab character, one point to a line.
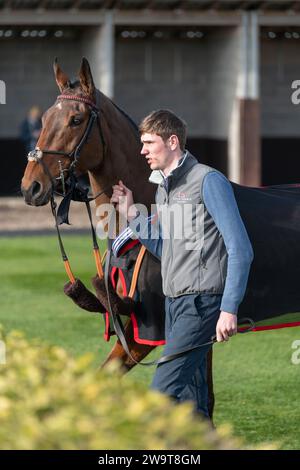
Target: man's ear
61	78
174	141
86	78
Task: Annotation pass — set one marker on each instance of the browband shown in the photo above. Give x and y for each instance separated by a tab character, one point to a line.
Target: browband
81	99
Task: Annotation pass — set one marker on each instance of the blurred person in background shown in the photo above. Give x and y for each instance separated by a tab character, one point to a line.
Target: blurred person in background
31	128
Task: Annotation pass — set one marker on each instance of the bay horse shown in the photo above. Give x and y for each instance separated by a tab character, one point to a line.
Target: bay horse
109	154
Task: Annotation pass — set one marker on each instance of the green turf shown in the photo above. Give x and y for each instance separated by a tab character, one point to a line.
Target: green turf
32	298
256	385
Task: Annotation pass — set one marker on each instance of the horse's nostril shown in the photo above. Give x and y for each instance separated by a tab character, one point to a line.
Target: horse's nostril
36	188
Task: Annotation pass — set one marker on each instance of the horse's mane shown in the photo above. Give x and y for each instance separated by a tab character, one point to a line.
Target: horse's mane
135	126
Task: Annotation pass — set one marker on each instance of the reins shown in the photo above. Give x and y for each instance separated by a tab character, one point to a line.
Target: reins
96	250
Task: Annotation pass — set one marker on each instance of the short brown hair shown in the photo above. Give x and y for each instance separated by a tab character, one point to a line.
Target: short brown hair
164	123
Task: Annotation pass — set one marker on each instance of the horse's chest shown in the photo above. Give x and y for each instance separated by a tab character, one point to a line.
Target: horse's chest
119	288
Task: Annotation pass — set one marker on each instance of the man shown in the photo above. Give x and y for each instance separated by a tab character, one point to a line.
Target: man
204	272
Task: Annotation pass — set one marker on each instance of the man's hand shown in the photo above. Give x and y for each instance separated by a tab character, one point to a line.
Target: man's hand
122	197
226	326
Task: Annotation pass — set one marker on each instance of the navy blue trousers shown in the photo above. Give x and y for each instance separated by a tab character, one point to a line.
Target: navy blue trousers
190	320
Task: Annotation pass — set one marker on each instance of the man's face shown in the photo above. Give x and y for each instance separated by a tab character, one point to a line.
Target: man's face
158	153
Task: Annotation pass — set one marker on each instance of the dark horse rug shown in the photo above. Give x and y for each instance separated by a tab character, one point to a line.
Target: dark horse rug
272	218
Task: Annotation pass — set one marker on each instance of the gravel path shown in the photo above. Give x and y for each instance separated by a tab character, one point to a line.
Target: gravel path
18	218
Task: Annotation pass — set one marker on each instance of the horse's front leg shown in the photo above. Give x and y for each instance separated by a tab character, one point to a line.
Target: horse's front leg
210	383
138	351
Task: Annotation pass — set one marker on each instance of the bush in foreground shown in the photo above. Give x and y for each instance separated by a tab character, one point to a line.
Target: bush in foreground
49	400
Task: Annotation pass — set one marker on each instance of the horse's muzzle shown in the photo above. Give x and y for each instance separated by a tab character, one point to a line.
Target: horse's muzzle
35	195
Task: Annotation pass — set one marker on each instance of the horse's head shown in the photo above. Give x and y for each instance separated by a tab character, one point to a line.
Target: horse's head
70	140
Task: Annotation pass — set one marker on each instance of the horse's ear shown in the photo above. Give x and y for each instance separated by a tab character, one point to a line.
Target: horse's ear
86	78
61	78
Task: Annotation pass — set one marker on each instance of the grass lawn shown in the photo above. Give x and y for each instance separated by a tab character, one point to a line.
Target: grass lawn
256	385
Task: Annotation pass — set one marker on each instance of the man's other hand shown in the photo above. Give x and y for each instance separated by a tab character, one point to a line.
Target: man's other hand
226	326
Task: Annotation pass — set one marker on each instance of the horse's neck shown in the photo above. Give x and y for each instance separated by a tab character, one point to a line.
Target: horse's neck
122	160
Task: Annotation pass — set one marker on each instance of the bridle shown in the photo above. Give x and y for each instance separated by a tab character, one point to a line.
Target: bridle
37	154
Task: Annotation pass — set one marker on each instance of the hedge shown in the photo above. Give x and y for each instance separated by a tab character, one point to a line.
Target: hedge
50	400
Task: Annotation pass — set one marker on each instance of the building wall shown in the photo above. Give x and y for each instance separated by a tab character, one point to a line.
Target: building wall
171	74
26	68
224	60
197	79
280	66
280	119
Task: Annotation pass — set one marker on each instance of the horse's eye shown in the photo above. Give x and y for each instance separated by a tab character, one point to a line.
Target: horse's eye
76	121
